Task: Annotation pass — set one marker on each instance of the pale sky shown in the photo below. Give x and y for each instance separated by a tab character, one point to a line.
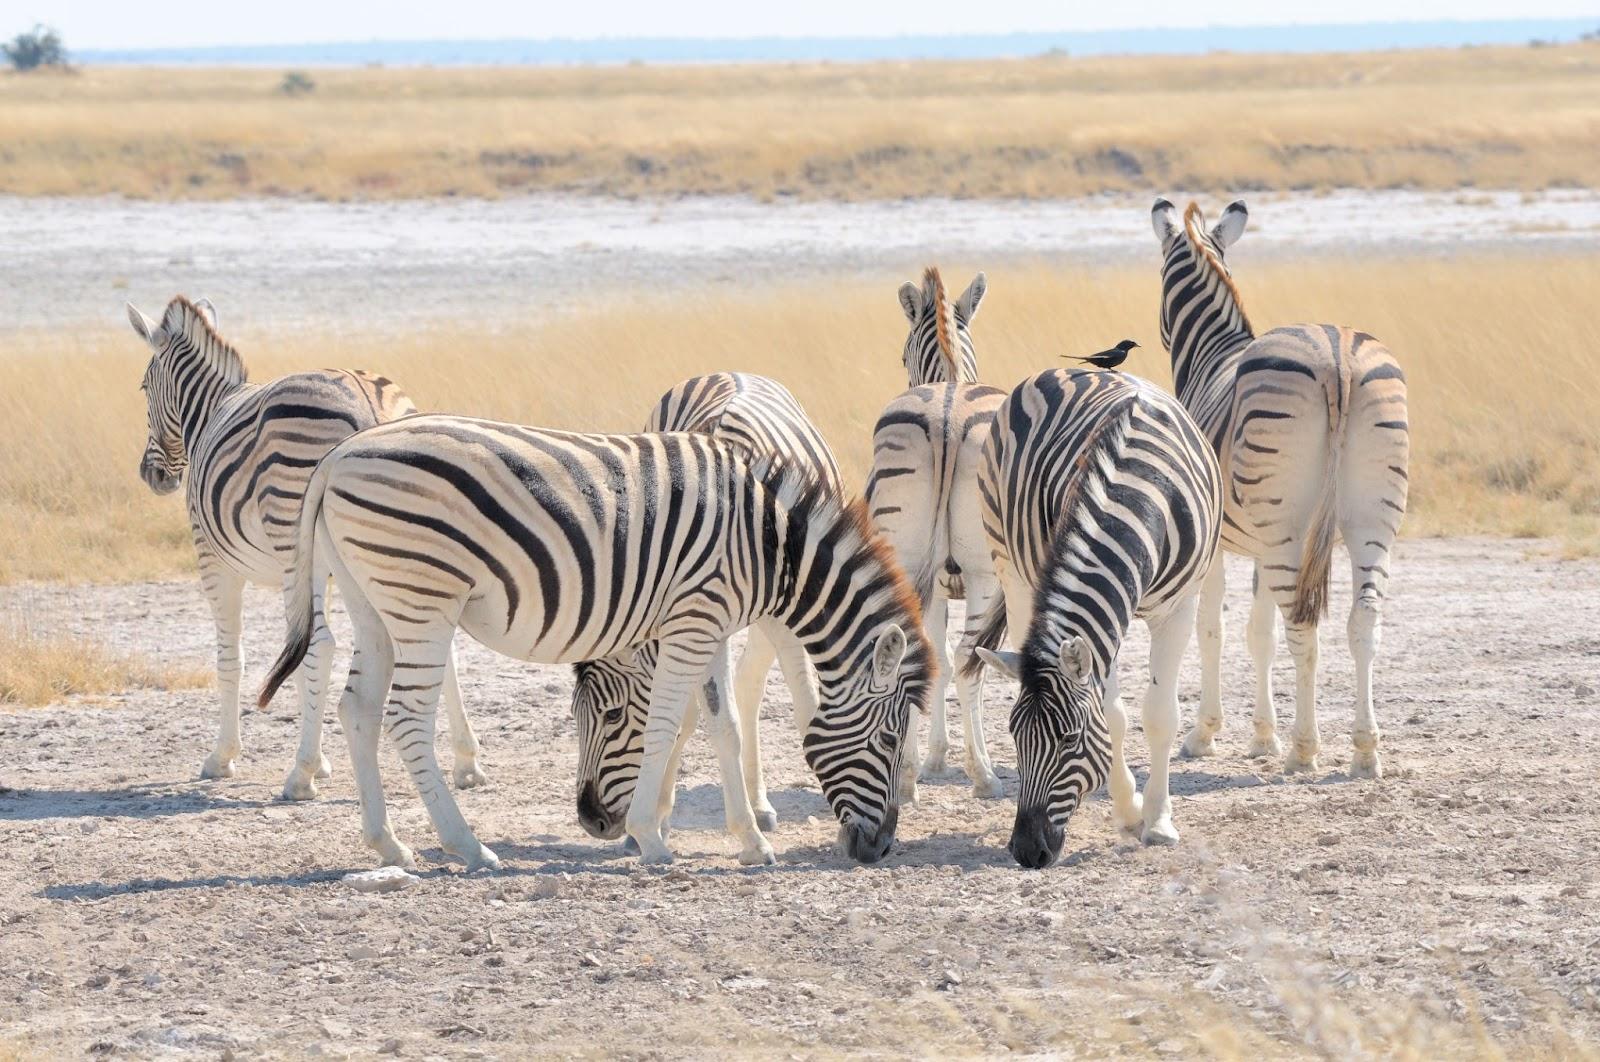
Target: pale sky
188	23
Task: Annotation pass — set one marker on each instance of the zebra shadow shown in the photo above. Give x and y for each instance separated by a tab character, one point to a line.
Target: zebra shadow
149	800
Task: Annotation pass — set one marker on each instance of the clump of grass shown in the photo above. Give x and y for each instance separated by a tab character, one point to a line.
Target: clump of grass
38	667
1444	118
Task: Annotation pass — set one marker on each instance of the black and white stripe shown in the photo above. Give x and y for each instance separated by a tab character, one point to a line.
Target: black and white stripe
611	696
558	547
1310	426
939	345
1101	504
247	451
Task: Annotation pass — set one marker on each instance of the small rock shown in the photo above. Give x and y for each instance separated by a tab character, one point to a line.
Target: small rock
589	960
1052	919
362	951
1583	689
334	1029
384	879
98	981
389	1047
742	983
951	978
547	888
1327	840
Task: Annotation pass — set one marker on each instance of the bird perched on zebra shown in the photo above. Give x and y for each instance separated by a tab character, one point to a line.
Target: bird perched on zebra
923	492
611	696
246	451
1107	359
1101	502
1309	423
557	547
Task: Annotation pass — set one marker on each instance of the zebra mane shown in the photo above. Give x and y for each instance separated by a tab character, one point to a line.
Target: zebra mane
183	319
944	317
1194	229
809	497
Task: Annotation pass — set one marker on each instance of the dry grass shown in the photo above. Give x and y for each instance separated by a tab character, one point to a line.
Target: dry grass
38	667
1501	374
1491	117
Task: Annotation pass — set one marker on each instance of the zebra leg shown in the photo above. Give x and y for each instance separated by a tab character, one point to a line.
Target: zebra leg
969	689
1263	638
420	669
749	684
225	591
1208	721
1126	804
1169	637
1369	577
1306	742
722	723
802	684
361	715
468	772
311	679
667	798
936	621
679	669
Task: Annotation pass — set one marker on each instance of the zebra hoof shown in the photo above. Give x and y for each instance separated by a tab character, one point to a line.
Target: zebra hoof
470	777
1265	748
485	859
391	853
1300	762
1196	747
655	859
1366	765
988	787
324	769
216	767
760	855
1160	833
299	786
766	820
629	846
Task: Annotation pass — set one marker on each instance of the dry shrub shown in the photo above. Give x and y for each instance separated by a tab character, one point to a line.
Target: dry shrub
1501	375
43	667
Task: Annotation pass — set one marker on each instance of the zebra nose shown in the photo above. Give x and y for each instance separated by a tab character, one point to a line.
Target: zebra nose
1035	841
596	821
870	846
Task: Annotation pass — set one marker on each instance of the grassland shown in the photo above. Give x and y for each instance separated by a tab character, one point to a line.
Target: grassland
1045	127
38	667
1501	373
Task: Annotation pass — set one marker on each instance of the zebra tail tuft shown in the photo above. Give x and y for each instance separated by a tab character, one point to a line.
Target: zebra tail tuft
300	605
990	635
1316	557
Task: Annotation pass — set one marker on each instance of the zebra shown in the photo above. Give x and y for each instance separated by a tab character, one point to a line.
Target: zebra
1309	423
611	696
926	454
247	451
556	547
1101	503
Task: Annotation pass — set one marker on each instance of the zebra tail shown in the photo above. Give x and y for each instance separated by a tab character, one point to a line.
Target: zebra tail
301	596
1316	557
990	635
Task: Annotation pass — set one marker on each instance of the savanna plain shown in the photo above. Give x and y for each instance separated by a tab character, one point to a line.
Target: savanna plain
1445	910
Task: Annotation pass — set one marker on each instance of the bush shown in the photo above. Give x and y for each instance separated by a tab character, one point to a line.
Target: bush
40	46
296	83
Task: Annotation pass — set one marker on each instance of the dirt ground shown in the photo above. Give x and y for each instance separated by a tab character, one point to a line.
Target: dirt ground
1446	909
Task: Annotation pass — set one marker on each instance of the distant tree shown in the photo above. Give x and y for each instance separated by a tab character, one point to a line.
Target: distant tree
296	83
40	46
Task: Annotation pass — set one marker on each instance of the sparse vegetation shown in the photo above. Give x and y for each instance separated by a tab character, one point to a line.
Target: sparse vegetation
1500	369
38	667
1043	127
297	83
40	46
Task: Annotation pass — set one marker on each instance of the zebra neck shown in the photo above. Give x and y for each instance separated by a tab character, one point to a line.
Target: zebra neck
1201	367
1093	602
200	400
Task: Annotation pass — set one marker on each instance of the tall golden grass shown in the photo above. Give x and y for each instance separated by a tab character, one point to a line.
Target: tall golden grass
1049	127
1501	371
42	667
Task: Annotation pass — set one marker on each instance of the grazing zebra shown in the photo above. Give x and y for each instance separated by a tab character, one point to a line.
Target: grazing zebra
1309	423
611	696
923	492
557	547
248	450
1101	501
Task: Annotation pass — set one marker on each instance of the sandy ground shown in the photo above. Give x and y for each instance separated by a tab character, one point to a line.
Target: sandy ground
143	912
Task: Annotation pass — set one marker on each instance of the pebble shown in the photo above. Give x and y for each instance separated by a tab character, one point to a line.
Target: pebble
384	879
547	888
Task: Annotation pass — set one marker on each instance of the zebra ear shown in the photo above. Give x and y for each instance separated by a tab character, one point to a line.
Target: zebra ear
1164	219
910	301
967	305
208	311
1075	660
1231	226
1004	661
886	656
141	323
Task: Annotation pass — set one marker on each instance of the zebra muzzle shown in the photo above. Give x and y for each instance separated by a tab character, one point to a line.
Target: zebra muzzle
870	845
1035	840
595	819
156	477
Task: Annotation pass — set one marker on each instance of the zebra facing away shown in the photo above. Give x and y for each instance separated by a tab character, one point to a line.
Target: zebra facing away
247	451
557	547
611	696
1101	502
1309	424
923	492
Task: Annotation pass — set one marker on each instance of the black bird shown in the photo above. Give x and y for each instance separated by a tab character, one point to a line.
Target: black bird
1107	359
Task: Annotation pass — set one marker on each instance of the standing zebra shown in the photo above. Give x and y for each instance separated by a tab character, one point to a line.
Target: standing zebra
923	491
1309	424
1101	501
558	547
248	450
611	696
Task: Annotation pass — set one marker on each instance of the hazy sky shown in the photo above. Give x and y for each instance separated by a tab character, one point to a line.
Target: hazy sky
177	23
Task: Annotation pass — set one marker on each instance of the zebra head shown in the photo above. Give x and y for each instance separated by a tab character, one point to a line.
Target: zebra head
170	342
1063	746
939	346
611	701
1193	258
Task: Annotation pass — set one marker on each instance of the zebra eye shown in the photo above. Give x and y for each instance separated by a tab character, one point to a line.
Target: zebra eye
613	716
